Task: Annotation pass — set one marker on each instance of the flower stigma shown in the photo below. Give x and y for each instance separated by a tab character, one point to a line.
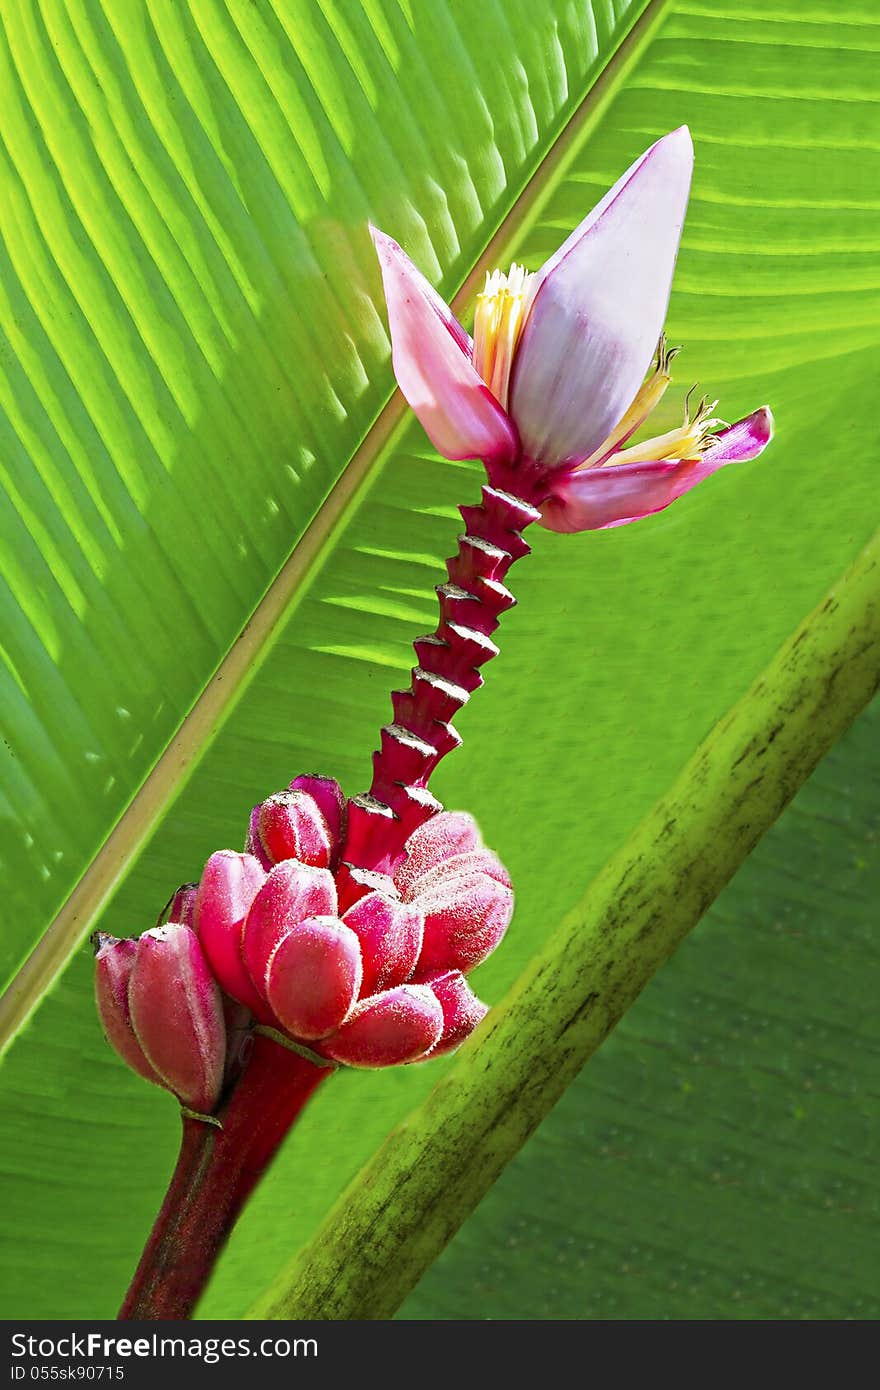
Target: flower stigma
690	441
502	308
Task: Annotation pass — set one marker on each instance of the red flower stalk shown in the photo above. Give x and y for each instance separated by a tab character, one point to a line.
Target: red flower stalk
343	933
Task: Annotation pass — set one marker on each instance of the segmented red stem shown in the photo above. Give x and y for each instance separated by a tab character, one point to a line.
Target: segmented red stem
448	672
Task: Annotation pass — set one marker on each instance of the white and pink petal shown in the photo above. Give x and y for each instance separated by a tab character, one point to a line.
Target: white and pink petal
597	309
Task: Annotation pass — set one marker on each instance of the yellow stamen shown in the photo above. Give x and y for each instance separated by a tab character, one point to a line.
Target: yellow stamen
500	316
648	396
689	441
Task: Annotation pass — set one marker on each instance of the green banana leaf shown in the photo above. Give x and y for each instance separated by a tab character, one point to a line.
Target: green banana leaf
193	353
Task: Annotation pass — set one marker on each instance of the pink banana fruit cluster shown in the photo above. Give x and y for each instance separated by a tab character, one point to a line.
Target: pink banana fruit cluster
358	967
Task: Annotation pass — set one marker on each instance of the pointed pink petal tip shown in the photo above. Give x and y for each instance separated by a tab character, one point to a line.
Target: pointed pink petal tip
596	498
431	355
745	440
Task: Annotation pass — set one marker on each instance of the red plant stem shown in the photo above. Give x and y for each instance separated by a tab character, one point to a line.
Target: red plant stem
215	1173
471	603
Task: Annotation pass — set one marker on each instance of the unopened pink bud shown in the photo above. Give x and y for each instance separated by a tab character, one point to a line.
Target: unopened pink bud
227	889
462	1010
291	893
444	835
313	977
177	1014
183	905
329	798
465	918
289	825
398	1025
113	966
390	933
